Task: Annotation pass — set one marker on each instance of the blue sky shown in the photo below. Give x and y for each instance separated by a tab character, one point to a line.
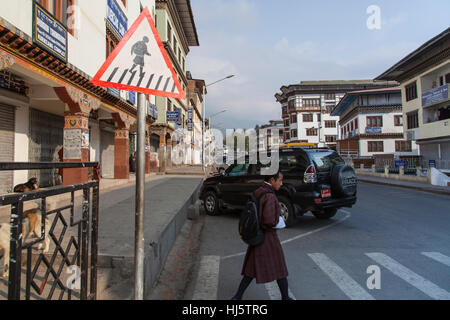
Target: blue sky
267	44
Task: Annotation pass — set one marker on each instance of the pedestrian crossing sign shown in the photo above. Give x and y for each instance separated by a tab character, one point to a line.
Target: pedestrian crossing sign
140	63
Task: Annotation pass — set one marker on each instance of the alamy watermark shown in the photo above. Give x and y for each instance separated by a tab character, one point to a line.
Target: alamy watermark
74	281
242	146
374	20
374	280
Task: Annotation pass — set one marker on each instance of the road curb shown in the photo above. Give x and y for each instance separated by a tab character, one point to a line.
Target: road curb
119	271
442	192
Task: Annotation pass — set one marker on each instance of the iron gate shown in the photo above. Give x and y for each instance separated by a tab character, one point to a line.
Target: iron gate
73	242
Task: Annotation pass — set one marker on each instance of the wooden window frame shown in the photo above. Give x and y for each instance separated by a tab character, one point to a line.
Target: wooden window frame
308	117
294	133
411	91
398	121
330	123
413	120
403	146
379	146
372	122
311	132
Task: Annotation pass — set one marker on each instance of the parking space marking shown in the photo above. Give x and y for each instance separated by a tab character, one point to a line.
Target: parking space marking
347	215
346	283
439	257
274	291
207	284
424	285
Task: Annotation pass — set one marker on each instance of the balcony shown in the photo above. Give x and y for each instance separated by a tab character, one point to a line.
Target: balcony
435	96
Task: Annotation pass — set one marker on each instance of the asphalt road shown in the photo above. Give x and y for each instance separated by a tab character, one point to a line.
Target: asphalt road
402	236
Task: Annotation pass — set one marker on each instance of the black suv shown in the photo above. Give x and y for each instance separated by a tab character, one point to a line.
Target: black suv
316	180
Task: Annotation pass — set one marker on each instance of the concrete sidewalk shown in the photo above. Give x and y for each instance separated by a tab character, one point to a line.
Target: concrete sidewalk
167	201
405	184
187	170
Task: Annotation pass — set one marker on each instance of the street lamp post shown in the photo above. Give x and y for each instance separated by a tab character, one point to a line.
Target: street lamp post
214	115
203	119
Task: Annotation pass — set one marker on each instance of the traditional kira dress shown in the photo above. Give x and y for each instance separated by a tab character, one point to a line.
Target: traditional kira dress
266	262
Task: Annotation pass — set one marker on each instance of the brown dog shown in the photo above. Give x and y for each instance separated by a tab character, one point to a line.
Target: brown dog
31	185
31	225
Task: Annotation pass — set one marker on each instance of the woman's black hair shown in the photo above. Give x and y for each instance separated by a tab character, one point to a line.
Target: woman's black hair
275	177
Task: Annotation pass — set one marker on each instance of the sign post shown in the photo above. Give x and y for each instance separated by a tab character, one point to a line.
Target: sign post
139	253
140	63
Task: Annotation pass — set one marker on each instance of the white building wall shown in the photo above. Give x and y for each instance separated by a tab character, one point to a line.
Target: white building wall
19	13
21	142
389	148
94	133
87	49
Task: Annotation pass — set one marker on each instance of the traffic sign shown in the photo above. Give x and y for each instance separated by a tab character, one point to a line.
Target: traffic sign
140	63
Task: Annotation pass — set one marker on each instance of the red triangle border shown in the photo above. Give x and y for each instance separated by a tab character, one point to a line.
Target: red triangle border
96	80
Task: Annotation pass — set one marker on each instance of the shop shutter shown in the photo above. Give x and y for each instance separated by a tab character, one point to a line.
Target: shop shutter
46	138
6	146
107	152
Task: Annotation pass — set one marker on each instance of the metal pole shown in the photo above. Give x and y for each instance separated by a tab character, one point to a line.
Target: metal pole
140	198
203	129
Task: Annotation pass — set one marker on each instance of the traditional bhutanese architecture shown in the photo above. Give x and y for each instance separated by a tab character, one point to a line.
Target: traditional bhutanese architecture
49	110
176	27
306	109
371	123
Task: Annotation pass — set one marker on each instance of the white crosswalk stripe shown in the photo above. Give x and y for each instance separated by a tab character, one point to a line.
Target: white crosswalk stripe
346	283
439	257
424	285
274	291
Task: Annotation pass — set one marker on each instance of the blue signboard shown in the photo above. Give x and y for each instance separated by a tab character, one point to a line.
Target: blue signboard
48	33
114	92
116	18
152	110
190	119
373	130
173	116
435	95
132	97
432	163
400	163
179	115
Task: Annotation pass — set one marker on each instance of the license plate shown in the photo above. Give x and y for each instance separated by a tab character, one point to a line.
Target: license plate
326	193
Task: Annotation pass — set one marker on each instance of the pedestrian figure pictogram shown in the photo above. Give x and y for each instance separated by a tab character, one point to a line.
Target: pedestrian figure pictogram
140	50
140	63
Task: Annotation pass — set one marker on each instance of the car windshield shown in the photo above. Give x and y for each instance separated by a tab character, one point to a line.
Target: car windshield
325	160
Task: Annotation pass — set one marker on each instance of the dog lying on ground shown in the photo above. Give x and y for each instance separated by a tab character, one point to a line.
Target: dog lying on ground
31	185
31	225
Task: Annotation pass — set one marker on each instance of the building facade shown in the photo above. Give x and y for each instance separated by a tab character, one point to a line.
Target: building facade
306	109
267	137
195	92
50	111
176	27
424	76
371	123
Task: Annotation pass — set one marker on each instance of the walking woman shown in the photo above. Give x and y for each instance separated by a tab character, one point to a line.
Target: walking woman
266	262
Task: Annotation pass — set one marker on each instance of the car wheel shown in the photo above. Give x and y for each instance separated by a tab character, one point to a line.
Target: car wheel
326	214
211	204
287	211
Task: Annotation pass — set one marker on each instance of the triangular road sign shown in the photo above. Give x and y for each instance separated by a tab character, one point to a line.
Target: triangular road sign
140	63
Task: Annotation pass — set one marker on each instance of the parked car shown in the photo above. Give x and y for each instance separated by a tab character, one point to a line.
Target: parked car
315	180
